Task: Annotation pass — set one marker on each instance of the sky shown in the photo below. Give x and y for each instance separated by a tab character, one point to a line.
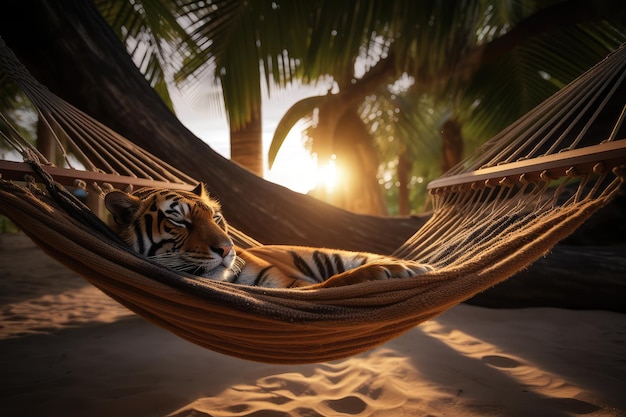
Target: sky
293	168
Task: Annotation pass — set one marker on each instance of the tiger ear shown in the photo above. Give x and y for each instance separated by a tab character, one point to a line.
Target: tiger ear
122	206
200	191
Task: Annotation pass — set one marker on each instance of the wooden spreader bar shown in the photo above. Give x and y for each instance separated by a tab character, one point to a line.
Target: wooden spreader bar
15	171
582	161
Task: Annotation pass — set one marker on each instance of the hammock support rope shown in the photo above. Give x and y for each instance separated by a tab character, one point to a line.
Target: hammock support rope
489	222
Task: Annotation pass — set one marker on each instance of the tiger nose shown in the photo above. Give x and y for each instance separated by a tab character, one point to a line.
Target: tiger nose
223	250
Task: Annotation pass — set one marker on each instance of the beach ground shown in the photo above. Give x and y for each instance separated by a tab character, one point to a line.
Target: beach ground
68	350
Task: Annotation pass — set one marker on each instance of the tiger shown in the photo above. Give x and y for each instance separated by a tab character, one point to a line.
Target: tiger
186	232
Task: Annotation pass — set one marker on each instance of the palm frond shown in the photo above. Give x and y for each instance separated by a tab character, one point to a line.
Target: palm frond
150	30
504	90
300	110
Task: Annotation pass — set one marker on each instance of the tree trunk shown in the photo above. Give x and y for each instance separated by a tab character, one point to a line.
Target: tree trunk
357	187
404	169
78	57
246	144
354	143
452	144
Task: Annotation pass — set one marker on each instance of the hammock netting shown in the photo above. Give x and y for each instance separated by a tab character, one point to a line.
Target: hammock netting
502	208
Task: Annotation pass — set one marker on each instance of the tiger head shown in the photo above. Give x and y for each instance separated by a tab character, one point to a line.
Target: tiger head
183	230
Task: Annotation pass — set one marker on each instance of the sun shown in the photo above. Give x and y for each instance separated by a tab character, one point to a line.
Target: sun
327	175
297	169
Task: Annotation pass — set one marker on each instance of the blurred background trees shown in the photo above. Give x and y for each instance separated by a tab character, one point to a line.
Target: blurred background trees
413	86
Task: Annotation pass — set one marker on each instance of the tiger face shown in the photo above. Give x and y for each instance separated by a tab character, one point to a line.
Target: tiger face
179	229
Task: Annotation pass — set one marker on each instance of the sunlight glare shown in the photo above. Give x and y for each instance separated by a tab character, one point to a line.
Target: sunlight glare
294	167
327	175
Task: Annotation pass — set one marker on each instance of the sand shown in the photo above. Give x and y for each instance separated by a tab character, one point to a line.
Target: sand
68	350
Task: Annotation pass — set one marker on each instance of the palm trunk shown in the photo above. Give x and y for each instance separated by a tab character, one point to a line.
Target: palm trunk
246	145
404	169
452	144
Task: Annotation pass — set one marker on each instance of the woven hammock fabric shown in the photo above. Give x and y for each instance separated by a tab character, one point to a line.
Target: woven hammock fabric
282	326
483	230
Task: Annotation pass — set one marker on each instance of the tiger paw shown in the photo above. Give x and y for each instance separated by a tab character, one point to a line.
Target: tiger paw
376	271
403	269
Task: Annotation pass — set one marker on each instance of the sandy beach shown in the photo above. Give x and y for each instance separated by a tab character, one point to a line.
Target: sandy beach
69	350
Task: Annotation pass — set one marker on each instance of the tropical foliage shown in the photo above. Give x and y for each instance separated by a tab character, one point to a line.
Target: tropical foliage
404	67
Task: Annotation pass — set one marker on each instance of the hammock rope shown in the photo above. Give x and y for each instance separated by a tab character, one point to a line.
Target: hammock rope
490	220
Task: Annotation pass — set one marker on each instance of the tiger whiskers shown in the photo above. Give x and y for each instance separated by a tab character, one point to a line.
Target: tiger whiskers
178	263
231	274
238	265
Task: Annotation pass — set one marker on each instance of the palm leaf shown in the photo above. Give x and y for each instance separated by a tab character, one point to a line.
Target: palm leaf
153	35
504	90
294	114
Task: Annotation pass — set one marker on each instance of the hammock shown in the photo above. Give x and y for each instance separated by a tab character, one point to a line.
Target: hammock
495	213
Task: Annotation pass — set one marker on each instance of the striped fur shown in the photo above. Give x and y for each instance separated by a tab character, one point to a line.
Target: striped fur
186	231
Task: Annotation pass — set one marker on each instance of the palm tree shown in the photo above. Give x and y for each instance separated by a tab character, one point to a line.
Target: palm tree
483	64
304	41
79	58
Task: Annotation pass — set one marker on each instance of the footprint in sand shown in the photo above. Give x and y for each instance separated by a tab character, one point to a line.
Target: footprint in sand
347	405
501	361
